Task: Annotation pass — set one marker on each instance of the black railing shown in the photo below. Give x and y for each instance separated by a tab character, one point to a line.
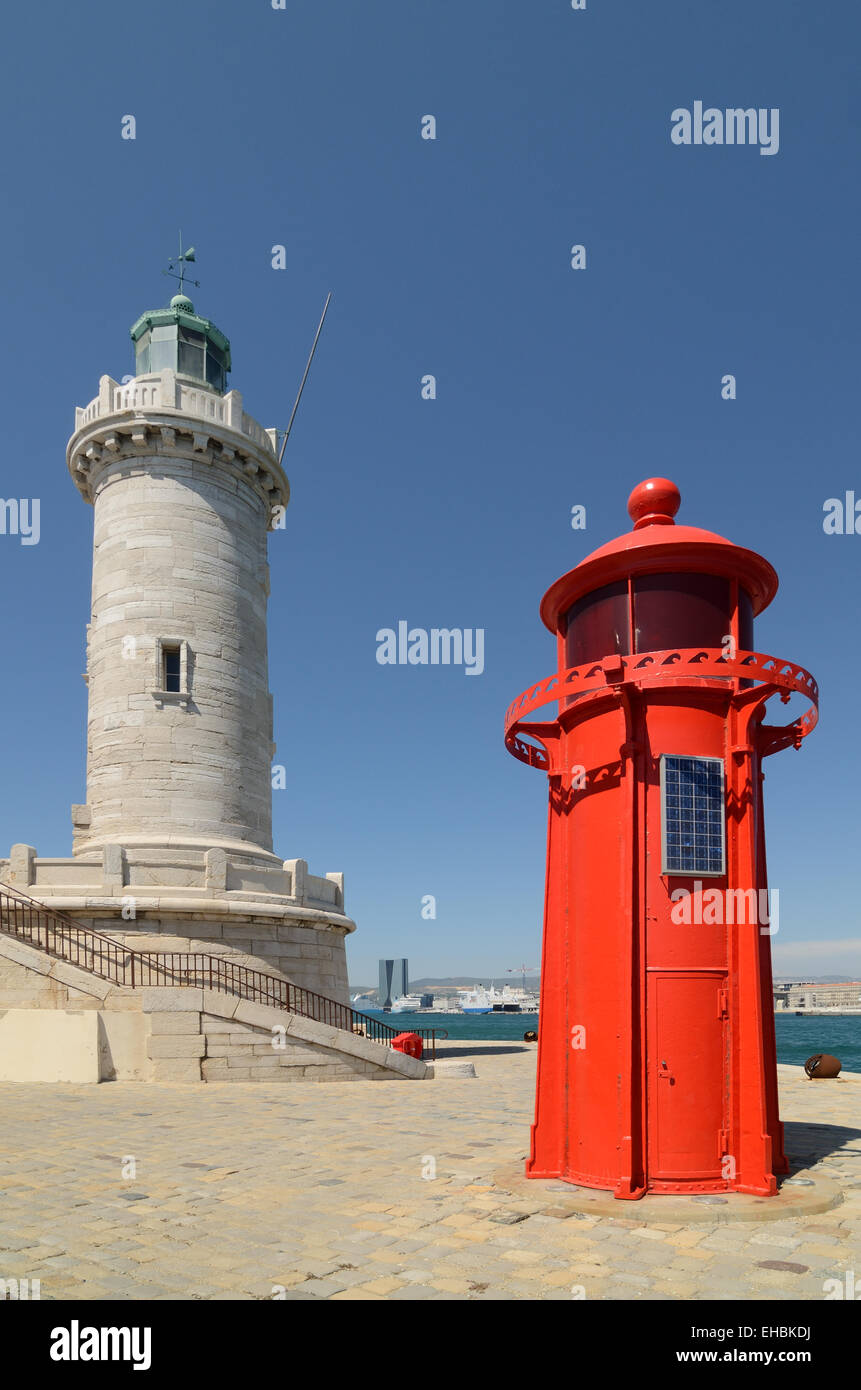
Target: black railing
59	936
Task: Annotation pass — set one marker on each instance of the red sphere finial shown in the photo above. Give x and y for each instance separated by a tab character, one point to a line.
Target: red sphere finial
654	502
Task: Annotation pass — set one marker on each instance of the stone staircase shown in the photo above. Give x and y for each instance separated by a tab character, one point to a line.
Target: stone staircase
201	1017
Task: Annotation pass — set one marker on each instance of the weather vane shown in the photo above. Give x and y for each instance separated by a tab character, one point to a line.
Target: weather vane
181	260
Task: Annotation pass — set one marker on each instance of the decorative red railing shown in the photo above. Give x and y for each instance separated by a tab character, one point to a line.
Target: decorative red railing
654	668
59	936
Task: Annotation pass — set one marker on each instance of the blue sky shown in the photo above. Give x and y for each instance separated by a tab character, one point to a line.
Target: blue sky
301	127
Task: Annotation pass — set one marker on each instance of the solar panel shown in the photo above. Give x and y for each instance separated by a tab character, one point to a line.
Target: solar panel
693	815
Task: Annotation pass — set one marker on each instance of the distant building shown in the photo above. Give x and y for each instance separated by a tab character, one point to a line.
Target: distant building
427	1001
394	981
805	995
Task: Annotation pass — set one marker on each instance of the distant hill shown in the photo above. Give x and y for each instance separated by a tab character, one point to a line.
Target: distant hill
815	979
429	983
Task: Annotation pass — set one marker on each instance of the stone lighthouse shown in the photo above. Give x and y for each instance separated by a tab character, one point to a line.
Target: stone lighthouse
172	850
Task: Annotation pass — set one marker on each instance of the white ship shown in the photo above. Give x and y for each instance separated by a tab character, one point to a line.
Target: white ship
364	1003
407	1004
494	1001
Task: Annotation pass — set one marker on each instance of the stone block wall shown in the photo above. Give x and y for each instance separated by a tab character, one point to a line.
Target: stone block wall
309	956
179	557
298	932
32	983
29	979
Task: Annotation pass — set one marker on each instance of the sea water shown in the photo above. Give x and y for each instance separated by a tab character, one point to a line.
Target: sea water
797	1038
801	1037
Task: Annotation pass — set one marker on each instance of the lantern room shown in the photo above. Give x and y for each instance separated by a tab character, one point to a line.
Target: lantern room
180	339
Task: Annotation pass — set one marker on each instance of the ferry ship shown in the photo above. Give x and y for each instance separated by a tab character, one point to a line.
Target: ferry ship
478	1000
493	1001
407	1004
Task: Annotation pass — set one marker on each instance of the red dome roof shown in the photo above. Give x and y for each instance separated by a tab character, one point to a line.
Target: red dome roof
657	545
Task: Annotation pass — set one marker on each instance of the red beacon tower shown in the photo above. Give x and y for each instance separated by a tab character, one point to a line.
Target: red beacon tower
656	1053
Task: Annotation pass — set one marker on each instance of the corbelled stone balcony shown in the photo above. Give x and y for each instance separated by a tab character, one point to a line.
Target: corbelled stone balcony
139	415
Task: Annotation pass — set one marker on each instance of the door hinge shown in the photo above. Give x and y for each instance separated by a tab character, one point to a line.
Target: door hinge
723	1003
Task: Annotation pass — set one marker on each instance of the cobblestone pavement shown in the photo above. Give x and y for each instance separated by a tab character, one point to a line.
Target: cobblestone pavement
327	1191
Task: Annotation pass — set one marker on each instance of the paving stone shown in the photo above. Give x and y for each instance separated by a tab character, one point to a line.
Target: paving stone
782	1264
243	1188
321	1288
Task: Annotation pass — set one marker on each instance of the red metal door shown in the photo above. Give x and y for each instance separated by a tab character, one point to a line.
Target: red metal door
687	1075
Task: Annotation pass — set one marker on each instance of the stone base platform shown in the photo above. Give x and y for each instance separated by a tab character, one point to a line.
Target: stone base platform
790	1202
258	911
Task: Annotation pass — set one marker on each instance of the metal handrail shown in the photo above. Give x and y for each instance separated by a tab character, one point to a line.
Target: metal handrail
647	669
60	936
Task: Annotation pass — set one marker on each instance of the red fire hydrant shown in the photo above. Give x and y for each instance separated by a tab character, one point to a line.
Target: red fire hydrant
656	1052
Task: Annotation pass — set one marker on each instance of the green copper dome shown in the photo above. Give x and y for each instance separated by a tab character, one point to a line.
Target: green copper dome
179	338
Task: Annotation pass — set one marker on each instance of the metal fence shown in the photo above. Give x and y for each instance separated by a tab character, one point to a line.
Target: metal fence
61	937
